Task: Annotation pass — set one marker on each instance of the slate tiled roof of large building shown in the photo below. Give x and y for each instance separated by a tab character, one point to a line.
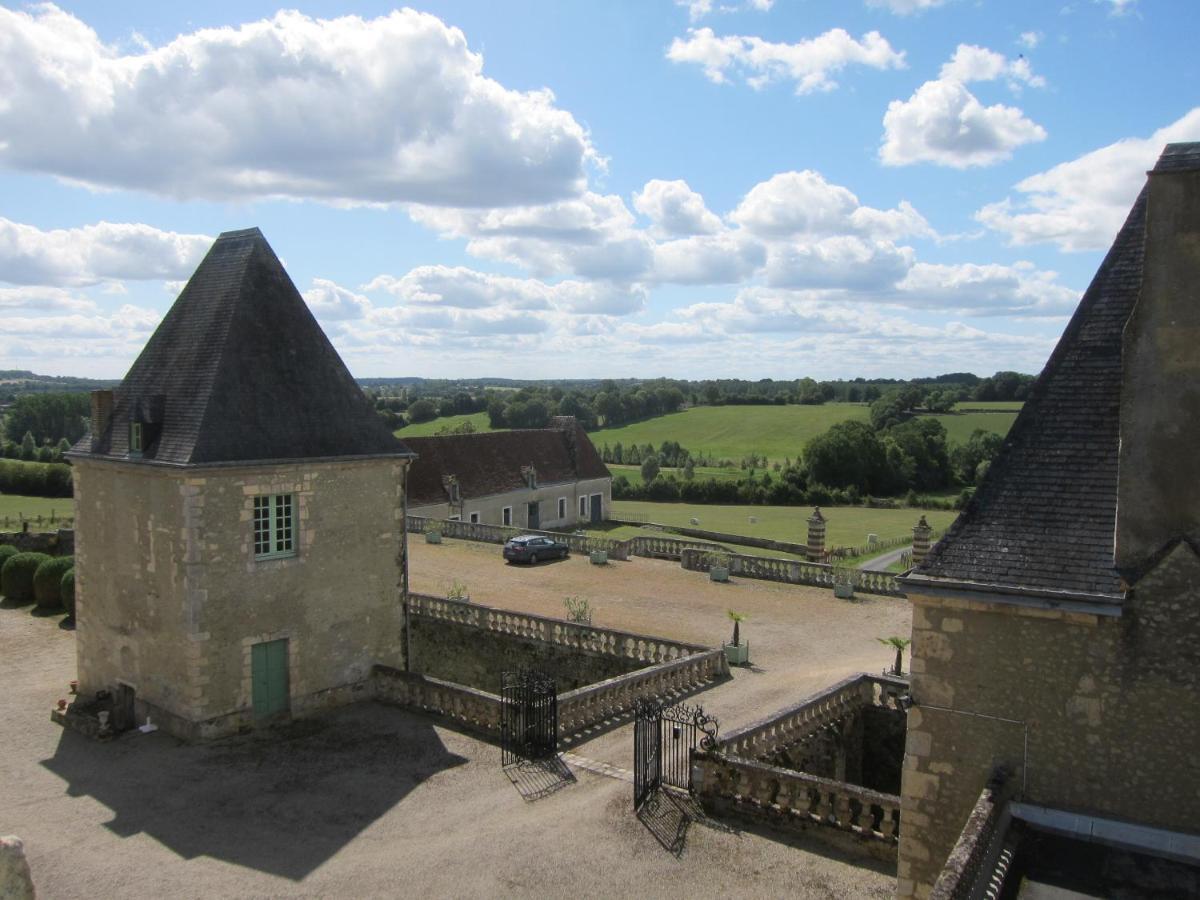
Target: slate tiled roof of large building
491	463
1044	519
240	371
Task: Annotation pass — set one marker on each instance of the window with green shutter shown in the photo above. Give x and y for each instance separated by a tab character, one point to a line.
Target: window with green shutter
274	526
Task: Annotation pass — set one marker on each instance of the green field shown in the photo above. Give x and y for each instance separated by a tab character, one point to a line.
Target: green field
846	526
425	429
731	432
989	406
634	473
959	426
12	506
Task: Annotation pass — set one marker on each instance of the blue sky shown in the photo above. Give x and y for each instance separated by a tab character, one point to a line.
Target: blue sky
693	189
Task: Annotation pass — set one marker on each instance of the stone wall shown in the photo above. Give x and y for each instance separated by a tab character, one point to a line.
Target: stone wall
170	597
56	543
468	655
1092	713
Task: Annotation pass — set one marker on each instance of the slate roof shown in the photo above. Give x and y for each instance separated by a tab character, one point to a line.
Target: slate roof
491	463
240	371
1044	519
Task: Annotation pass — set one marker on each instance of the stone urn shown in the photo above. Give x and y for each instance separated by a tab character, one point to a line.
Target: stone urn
718	573
433	537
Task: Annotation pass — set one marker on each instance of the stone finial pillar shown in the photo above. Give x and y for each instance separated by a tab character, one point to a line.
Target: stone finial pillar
816	536
921	534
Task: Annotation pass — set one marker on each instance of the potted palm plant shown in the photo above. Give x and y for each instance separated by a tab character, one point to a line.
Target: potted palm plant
898	644
737	653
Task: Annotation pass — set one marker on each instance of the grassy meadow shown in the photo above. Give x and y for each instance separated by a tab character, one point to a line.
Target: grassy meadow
425	429
959	426
846	526
13	506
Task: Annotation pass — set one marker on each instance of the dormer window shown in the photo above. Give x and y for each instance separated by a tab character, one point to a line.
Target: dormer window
135	439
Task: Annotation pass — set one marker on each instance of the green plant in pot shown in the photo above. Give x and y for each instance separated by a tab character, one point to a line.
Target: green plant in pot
736	652
898	644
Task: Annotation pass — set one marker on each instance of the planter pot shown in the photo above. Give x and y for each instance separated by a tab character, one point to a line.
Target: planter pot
843	591
433	537
737	655
598	557
718	573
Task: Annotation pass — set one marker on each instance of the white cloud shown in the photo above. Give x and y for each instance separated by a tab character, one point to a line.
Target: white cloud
126	323
811	63
973	63
95	253
345	110
944	123
844	262
462	288
1030	39
697	9
1081	204
39	298
726	258
905	7
593	236
986	290
1119	7
331	302
675	209
792	203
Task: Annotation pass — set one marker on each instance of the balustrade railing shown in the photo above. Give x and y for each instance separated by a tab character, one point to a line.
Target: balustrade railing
474	709
980	861
766	737
609	699
641	648
788	794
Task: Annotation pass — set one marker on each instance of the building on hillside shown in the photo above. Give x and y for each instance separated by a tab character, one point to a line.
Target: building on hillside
239	513
550	478
1056	626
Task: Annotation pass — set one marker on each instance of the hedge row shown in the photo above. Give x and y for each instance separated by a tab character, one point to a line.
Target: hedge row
34	479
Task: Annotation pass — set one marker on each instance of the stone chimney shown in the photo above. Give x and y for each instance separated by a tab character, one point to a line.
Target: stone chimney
816	536
1158	488
102	410
921	534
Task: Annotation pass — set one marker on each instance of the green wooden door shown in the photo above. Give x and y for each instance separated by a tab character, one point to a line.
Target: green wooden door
269	675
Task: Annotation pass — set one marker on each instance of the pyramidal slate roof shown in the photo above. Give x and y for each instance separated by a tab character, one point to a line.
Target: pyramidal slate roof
491	463
240	371
1044	519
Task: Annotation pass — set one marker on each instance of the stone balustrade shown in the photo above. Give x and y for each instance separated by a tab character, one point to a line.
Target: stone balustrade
795	572
559	632
762	739
980	861
743	786
609	699
659	547
476	710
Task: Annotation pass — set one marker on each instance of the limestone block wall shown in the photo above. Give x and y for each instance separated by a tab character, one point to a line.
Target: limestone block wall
491	508
171	599
1095	714
132	618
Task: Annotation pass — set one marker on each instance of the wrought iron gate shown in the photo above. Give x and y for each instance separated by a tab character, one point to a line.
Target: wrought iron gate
663	740
528	716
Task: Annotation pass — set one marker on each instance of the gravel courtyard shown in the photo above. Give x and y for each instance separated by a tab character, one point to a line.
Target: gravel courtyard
372	801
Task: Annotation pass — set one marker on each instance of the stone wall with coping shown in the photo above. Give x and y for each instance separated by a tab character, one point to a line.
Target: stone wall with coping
56	543
1091	713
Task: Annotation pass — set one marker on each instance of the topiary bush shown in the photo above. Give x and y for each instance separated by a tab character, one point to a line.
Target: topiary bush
47	581
16	578
7	550
66	590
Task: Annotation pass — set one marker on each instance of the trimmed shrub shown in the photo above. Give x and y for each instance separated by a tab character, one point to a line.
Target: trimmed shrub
7	550
66	590
47	581
16	578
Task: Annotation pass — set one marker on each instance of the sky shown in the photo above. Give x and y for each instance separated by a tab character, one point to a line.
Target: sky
693	189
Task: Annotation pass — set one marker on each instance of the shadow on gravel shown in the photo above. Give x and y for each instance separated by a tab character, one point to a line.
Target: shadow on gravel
281	801
538	778
668	815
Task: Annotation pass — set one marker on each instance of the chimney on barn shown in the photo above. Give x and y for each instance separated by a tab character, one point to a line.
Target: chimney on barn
1158	487
102	409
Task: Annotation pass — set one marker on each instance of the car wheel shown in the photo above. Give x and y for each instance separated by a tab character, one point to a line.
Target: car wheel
533	559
